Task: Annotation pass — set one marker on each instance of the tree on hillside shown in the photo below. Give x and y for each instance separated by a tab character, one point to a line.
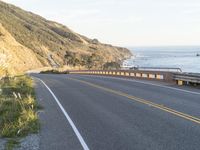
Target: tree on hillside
76	62
70	58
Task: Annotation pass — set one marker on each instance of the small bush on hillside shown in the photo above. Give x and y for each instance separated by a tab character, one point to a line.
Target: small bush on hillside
111	65
54	72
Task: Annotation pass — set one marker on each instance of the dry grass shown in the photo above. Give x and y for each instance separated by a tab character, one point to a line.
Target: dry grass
18	108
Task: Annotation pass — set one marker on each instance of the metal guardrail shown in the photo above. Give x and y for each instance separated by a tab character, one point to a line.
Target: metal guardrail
168	69
187	78
178	77
156	75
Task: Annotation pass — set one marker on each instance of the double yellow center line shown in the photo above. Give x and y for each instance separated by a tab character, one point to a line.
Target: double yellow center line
140	100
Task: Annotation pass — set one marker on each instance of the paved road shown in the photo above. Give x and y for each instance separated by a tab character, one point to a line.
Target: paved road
105	113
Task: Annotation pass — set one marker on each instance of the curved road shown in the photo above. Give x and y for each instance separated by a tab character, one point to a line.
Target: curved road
106	113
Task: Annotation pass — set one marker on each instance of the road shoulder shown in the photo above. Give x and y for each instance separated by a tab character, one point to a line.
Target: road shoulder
56	132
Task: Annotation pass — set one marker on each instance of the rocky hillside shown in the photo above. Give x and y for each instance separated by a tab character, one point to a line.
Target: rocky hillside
28	41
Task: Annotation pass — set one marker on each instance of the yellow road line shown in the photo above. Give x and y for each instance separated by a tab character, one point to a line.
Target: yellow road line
140	100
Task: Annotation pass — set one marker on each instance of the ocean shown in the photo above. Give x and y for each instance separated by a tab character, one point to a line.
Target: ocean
176	57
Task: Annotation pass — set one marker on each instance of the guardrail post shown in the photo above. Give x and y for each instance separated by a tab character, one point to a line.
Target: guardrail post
133	74
180	82
138	74
160	77
144	75
152	76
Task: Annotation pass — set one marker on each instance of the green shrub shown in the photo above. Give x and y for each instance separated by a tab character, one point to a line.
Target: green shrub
54	72
18	109
111	65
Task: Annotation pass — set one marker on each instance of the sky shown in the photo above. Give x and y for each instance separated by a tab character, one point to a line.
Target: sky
125	22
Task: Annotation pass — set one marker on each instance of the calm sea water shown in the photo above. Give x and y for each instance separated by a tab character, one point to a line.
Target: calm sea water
180	57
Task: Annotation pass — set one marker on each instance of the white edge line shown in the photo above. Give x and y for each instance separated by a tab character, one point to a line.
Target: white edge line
133	80
80	138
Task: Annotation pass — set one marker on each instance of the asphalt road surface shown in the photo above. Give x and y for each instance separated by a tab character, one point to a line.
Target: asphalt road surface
106	113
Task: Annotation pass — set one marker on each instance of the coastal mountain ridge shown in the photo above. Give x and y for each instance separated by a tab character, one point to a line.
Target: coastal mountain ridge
29	41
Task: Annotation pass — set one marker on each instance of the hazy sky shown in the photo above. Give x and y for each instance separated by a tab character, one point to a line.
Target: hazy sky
125	22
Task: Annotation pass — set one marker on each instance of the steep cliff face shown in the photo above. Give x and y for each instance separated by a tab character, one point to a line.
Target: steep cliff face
31	41
14	57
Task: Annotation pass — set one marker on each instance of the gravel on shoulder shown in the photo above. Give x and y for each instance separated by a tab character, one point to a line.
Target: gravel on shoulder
30	142
2	144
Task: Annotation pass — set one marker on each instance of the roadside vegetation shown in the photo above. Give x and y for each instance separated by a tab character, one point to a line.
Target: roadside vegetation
54	71
18	109
88	61
111	66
